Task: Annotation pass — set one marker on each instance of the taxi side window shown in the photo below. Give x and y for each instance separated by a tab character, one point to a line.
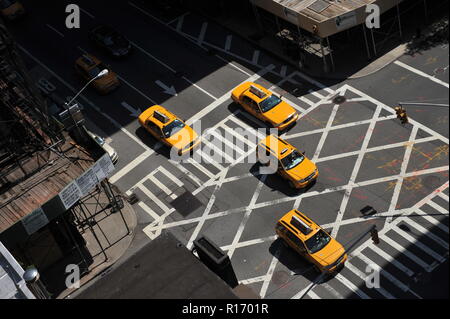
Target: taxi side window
153	127
247	100
297	242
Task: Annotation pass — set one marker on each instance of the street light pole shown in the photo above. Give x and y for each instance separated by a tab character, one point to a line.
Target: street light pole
101	73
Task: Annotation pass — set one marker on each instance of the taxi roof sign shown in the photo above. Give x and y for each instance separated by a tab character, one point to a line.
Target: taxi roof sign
300	225
257	91
160	117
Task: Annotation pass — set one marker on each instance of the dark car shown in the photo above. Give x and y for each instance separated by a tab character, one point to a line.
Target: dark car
110	40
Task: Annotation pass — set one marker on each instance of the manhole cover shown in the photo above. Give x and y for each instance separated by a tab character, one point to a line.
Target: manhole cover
339	99
186	203
280	277
431	182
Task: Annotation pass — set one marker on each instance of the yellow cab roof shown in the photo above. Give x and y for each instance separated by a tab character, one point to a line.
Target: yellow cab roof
250	93
277	146
299	224
150	114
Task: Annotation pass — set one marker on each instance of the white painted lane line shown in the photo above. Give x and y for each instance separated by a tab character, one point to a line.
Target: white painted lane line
313	295
355	171
438	208
332	291
170	176
246	126
404	166
181	17
443	196
202	220
255	57
306	100
250	242
131	165
423	74
200	168
363	277
352	287
228	42
240	145
388	276
269	275
433	221
220	151
148	210
225	141
186	172
87	13
246	216
417	243
136	89
152	56
391	260
201	37
299	294
160	185
403	250
252	280
205	157
317	94
294	105
180	23
325	133
283	71
52	28
411	223
154	198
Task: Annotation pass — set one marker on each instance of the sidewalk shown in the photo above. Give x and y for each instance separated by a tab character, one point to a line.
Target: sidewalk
113	236
350	59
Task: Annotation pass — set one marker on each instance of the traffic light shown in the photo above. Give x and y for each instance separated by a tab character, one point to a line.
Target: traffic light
401	114
374	234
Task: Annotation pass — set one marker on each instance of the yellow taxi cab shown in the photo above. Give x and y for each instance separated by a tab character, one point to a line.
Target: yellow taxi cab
11	9
169	129
311	241
88	66
265	105
293	165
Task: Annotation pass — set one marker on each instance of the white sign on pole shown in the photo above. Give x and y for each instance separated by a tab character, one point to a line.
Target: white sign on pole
70	194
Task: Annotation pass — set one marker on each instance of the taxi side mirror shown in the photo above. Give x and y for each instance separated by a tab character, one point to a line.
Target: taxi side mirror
303	153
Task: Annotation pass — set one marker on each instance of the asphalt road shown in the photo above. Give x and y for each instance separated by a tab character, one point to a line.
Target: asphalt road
364	155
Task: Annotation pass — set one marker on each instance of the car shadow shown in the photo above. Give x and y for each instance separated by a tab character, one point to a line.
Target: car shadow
298	265
277	183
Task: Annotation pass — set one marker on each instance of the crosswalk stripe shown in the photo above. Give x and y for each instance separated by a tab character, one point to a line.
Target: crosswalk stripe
217	150
253	131
155	199
363	276
403	250
313	295
148	210
427	232
209	160
237	136
433	221
386	274
170	176
392	260
186	172
332	291
317	94
417	243
443	196
307	101
437	207
351	286
163	187
200	168
225	141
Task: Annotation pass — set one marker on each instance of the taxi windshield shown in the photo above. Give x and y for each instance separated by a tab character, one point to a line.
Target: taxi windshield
318	241
269	103
172	128
292	160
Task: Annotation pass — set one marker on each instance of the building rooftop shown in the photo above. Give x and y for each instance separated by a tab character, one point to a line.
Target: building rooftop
163	269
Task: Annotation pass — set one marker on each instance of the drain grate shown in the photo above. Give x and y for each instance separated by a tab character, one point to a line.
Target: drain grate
339	99
186	203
